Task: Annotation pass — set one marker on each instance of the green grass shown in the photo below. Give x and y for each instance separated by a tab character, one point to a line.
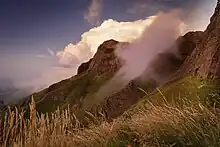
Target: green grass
189	88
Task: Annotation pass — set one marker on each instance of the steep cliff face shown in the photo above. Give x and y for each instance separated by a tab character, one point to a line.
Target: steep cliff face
205	59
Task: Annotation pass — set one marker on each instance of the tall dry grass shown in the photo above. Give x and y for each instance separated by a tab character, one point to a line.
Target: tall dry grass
151	125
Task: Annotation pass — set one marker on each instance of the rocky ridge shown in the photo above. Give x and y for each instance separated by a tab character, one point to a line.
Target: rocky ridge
205	59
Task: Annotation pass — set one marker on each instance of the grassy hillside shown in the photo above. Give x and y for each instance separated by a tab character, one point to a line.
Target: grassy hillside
74	91
189	88
183	112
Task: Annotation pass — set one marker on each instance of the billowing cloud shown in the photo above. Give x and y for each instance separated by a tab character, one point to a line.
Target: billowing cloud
94	12
73	55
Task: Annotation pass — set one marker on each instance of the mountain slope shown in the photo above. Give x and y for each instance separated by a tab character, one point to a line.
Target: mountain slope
205	59
79	91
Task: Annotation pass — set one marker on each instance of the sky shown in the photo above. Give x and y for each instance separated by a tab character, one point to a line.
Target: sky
32	26
33	33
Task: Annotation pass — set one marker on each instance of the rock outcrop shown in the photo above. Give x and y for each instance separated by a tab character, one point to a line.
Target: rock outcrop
205	59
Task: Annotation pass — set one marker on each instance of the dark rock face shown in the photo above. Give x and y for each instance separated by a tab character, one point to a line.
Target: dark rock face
205	59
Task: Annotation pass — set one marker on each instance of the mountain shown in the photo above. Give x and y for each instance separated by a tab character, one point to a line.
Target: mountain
205	59
80	90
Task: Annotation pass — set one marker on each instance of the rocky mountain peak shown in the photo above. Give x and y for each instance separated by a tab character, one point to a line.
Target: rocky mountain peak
104	59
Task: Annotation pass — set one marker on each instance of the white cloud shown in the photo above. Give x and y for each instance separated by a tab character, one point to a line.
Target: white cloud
94	12
73	55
